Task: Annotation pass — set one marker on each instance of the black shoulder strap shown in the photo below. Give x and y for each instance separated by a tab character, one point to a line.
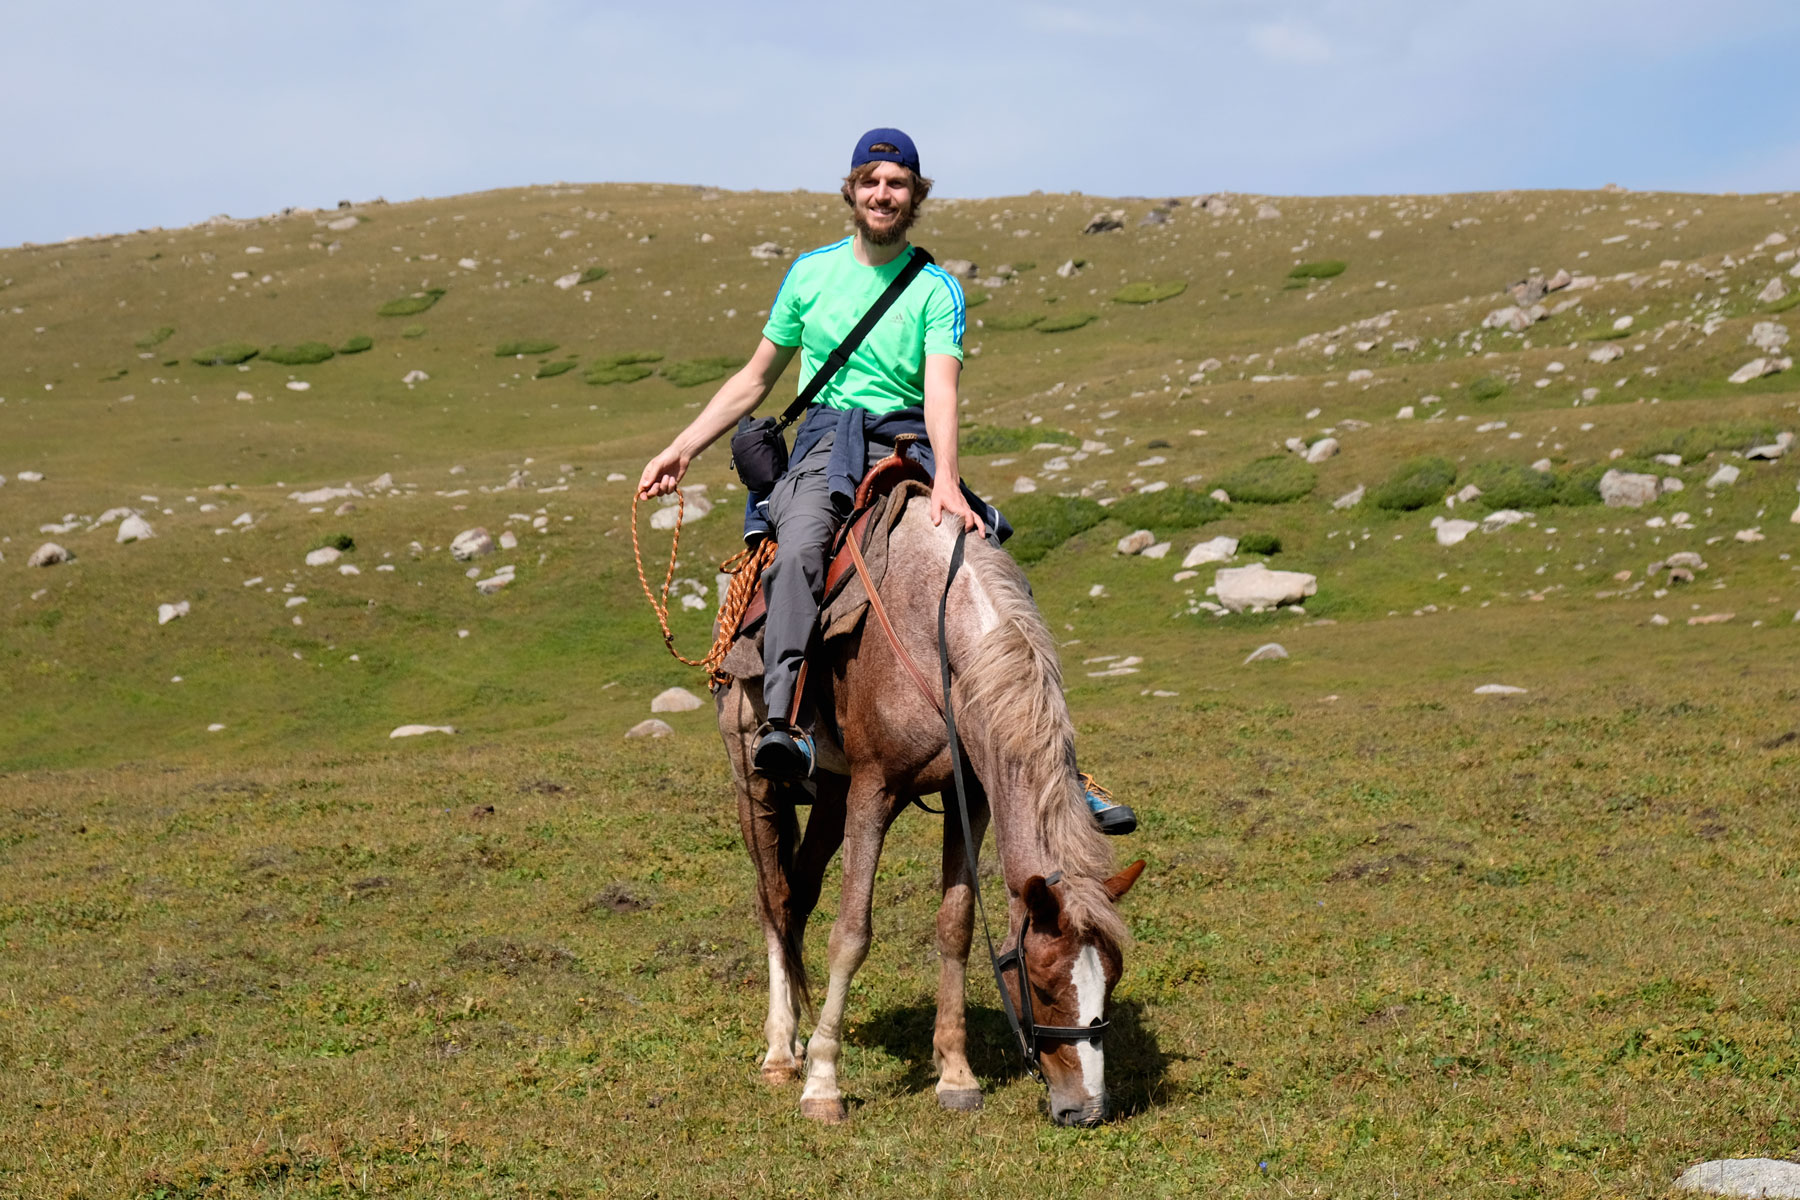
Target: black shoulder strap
921	258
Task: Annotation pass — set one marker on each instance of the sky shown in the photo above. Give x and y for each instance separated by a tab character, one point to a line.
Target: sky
117	116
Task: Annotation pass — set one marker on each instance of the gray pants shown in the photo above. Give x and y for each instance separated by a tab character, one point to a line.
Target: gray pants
801	511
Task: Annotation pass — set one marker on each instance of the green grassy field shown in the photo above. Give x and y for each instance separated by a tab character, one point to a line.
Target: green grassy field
1396	938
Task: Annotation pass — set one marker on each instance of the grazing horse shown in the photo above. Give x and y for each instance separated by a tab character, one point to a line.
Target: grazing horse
890	746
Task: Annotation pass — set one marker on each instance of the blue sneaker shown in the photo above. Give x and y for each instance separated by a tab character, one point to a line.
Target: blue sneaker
1113	818
783	754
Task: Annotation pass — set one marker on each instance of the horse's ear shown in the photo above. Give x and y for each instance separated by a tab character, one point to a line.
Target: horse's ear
1041	903
1119	884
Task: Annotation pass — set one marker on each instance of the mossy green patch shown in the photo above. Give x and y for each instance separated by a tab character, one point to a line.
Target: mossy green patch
226	354
1697	441
1488	387
356	345
1510	485
1414	484
1273	479
1001	439
592	275
413	331
628	367
411	306
693	372
976	300
300	354
1041	523
1328	268
1012	321
1169	509
551	370
1265	544
1149	293
155	337
1606	333
1062	322
524	346
1791	300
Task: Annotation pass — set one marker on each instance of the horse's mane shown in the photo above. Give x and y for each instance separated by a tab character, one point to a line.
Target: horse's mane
1014	683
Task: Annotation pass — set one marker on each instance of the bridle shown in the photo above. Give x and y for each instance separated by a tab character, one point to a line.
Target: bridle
1023	1019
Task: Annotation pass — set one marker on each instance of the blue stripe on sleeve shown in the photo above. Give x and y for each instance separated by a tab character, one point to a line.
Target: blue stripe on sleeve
956	298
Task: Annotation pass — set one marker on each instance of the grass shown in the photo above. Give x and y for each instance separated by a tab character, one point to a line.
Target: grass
525	346
1697	441
693	372
551	370
155	337
1001	439
299	354
1012	322
1272	479
1511	485
225	354
1415	483
1266	544
411	306
1169	510
1488	387
413	332
1329	268
1149	293
356	345
1042	523
1063	321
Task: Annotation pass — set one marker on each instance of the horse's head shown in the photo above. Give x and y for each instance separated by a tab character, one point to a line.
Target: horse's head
1072	963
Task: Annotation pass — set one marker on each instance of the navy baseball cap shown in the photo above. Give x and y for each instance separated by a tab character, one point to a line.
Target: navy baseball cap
903	151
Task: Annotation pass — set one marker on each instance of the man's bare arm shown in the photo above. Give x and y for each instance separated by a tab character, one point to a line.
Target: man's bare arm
942	371
737	397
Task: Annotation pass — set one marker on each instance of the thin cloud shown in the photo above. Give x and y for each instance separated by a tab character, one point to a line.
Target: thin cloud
1291	41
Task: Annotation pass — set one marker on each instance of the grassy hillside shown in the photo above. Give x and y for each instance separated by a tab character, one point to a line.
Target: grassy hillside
1394	935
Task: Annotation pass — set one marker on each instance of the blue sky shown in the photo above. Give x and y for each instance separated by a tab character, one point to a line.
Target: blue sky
124	115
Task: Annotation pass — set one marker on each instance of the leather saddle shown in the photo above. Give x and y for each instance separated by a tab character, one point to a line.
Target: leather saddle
881	479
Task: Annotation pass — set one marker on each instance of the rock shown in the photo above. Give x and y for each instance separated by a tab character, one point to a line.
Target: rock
651	728
1686	558
1723	477
1469	493
697	507
383	482
1500	518
169	612
962	268
1623	323
1255	586
324	556
414	376
242	520
415	730
1068	270
1607	353
323	495
1621	489
1742	1177
1105	222
1771	451
1267	212
1756	368
1221	495
30	477
1671	484
493	583
1748	535
1160	550
1527	292
1351	498
349	569
1768	336
1268	652
1297	445
1136	543
1773	292
1451	532
471	543
1718	618
344	509
298	385
1512	317
1499	689
768	250
1558	281
342	224
134	529
1794	519
1219	549
1361	374
1544	465
1658	619
565	282
509	540
1321	450
675	699
1024	485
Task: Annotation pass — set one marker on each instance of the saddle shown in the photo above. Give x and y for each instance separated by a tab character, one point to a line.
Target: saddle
880	497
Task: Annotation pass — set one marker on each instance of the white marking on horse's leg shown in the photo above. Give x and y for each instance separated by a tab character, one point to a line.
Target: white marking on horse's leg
782	1027
822	1048
1090	999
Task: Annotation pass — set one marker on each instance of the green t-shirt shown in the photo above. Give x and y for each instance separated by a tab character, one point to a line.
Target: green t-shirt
826	292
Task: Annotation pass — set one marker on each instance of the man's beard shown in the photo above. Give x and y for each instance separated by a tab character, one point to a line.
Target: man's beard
894	233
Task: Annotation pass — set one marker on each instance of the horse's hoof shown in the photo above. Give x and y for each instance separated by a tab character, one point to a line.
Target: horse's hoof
780	1076
960	1100
825	1112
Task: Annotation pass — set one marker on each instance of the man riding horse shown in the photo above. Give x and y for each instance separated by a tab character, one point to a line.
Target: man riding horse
900	378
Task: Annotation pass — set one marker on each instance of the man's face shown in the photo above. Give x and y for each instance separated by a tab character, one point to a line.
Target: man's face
882	204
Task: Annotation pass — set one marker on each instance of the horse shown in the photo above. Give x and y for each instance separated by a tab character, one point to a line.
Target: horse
889	746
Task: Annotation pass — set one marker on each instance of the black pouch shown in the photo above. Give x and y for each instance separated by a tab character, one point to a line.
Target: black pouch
759	453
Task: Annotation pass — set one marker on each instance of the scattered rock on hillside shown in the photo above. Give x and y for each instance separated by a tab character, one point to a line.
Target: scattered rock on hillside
30	477
1159	550
1605	354
414	376
405	731
48	555
1500	518
1105	222
1499	689
1267	212
1257	587
565	282
1137	543
1558	281
651	728
1773	292
768	250
1068	270
1725	476
298	385
1268	652
134	529
1756	368
1742	1177
1321	450
1219	549
1718	618
664	519
509	540
383	482
962	268
1449	533
675	699
1768	336
493	583
1351	498
324	495
1024	485
471	543
170	612
324	556
1622	489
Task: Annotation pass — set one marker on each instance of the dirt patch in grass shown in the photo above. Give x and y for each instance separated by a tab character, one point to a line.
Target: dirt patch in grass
514	958
616	898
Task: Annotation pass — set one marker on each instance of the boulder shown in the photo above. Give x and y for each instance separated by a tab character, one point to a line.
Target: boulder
1742	1177
1219	549
962	268
1623	489
1105	222
1769	336
1718	618
134	529
1499	689
1725	476
1024	485
1605	354
1268	652
509	540
675	699
48	555
1321	450
30	477
768	250
383	482
1528	292
1255	586
1500	518
1558	281
471	543
1136	543
1451	532
1267	212
1351	498
170	612
324	556
1068	270
1771	451
651	728
1773	292
1468	493
696	508
493	583
1756	368
415	376
406	731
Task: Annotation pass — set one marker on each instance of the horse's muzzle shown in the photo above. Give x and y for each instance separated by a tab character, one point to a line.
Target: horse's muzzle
1085	1115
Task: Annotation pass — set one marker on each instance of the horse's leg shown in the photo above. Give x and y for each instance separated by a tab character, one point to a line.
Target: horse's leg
788	992
957	1086
869	809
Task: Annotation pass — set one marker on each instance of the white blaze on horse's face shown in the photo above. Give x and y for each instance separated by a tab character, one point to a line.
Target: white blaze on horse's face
1090	1000
1072	978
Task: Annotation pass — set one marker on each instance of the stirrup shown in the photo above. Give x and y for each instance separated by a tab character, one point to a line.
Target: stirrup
783	754
1113	818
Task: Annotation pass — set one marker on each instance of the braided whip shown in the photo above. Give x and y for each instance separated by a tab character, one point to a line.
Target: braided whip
745	568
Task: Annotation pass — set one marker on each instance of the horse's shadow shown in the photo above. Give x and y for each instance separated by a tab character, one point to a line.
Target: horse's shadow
1137	1066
